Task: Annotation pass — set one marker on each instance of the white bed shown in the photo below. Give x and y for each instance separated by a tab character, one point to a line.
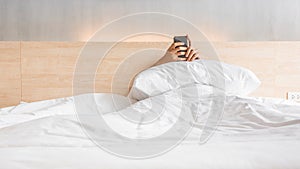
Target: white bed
254	133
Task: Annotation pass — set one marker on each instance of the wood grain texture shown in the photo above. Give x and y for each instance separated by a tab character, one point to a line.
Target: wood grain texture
10	83
48	67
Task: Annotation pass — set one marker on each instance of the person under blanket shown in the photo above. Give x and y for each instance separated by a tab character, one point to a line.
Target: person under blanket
175	50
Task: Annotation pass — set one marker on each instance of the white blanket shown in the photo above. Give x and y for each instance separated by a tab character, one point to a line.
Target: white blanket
252	133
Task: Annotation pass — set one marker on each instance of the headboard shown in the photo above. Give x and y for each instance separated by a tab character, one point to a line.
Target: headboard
33	71
10	68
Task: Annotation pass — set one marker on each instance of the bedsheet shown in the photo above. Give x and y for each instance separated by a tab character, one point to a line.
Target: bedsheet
252	132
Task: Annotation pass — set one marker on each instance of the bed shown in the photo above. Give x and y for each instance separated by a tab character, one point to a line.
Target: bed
45	132
253	133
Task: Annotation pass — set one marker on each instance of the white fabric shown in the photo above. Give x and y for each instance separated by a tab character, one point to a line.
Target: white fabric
233	79
30	111
254	133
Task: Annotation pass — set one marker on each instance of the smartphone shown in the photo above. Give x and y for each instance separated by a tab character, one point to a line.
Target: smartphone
183	39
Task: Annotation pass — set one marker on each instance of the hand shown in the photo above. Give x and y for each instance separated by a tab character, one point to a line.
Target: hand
175	50
191	54
172	53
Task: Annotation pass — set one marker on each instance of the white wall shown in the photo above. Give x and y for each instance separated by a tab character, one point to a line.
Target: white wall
75	20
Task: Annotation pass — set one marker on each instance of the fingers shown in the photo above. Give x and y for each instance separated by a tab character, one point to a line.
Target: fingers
181	59
180	53
177	49
176	44
194	57
181	48
191	54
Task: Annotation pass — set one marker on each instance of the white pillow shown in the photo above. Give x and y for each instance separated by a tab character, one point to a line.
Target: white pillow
233	80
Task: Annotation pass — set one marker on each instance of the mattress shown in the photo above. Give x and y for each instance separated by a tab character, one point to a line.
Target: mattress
251	133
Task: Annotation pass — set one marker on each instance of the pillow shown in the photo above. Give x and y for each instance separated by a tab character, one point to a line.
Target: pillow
233	80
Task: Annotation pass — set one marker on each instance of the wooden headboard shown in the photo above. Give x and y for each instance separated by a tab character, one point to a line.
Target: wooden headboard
32	71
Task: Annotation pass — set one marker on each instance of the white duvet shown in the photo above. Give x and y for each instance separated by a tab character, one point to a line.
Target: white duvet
252	133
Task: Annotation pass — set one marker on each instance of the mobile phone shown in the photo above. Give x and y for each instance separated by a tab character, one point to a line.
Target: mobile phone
183	39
